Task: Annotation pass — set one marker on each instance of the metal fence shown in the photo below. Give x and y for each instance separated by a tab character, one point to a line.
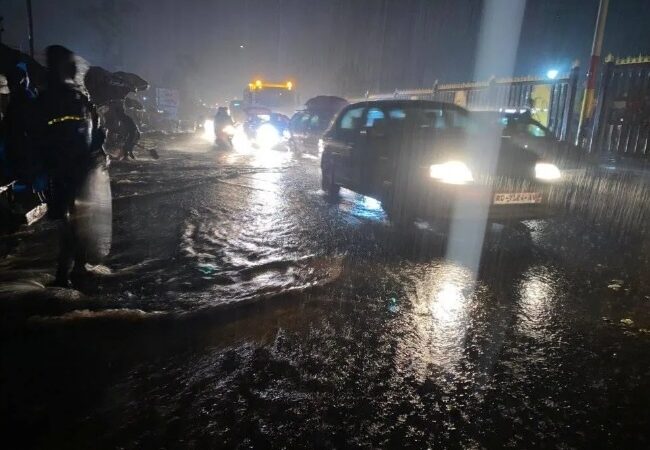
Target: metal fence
622	118
551	102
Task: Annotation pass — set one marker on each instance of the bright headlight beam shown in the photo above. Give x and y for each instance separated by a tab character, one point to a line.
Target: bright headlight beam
451	172
208	130
547	172
267	136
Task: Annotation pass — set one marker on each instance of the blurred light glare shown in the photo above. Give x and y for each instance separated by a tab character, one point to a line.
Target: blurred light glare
267	136
208	130
451	172
552	74
547	172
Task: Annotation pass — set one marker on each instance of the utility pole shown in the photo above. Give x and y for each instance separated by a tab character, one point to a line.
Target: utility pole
587	110
30	23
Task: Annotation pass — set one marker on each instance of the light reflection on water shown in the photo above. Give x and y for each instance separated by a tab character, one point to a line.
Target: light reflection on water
537	301
441	319
361	206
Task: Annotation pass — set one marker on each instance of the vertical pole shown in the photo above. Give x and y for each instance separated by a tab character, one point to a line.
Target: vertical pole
567	115
1	28
602	106
30	23
587	109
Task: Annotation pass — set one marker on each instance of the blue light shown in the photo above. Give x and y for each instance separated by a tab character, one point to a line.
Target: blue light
371	203
552	74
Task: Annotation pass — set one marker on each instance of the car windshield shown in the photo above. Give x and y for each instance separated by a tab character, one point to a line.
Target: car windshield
421	224
432	118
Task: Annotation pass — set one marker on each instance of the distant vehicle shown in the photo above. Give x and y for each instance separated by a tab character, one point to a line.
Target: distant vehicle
420	157
236	108
265	129
307	126
526	132
278	97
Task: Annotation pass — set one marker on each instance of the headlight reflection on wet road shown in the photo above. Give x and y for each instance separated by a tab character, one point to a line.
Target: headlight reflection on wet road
537	297
441	319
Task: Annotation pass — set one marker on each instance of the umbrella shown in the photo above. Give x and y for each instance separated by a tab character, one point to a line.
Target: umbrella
133	104
104	86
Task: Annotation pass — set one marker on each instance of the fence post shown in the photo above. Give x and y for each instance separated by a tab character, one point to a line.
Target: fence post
569	102
601	101
492	92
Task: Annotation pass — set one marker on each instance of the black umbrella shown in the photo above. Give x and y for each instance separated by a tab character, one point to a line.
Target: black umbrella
104	86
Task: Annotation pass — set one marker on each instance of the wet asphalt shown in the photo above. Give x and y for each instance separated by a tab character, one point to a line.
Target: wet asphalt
241	308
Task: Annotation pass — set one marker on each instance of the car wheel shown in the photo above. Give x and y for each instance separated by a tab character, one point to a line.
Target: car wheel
327	183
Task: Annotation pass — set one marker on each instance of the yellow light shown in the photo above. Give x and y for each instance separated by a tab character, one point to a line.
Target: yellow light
289	85
258	84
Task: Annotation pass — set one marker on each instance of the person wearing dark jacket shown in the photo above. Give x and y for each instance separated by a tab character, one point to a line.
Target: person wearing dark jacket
70	142
128	127
19	125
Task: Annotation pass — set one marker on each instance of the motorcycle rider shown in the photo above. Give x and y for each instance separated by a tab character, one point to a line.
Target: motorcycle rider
70	140
222	119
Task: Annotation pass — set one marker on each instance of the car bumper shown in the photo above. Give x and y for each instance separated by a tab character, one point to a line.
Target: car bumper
472	203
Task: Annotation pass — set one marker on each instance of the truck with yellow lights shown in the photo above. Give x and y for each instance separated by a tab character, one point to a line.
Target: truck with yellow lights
277	97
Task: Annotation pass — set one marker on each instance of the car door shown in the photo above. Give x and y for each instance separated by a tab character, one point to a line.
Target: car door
372	152
297	130
317	124
341	145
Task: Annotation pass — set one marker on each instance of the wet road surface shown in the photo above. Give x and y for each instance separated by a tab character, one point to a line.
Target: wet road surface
242	308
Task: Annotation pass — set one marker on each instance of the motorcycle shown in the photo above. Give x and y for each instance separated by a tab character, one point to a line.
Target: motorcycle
223	137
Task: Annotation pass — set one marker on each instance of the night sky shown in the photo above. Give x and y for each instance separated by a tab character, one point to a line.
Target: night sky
328	46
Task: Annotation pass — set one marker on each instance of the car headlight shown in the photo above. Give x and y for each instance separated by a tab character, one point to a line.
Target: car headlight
547	172
451	172
208	130
267	136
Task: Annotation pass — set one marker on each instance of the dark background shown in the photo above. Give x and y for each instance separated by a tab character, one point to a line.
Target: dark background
336	46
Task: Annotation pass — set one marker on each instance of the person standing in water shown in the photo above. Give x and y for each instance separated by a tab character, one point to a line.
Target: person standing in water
70	141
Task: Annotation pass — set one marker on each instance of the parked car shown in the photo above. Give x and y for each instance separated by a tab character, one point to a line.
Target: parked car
430	159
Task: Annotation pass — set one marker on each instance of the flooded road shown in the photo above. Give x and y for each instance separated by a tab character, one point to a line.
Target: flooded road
241	308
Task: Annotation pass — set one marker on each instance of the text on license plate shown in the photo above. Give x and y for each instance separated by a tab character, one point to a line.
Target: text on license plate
517	198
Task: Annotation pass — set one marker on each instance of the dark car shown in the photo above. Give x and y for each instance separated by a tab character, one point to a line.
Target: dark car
431	159
265	129
307	126
524	131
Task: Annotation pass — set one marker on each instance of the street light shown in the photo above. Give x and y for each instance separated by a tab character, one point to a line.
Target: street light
552	74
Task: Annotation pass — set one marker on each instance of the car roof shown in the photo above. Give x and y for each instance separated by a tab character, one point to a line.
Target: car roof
409	103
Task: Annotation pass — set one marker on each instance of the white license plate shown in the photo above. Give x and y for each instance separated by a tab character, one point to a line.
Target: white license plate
517	198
